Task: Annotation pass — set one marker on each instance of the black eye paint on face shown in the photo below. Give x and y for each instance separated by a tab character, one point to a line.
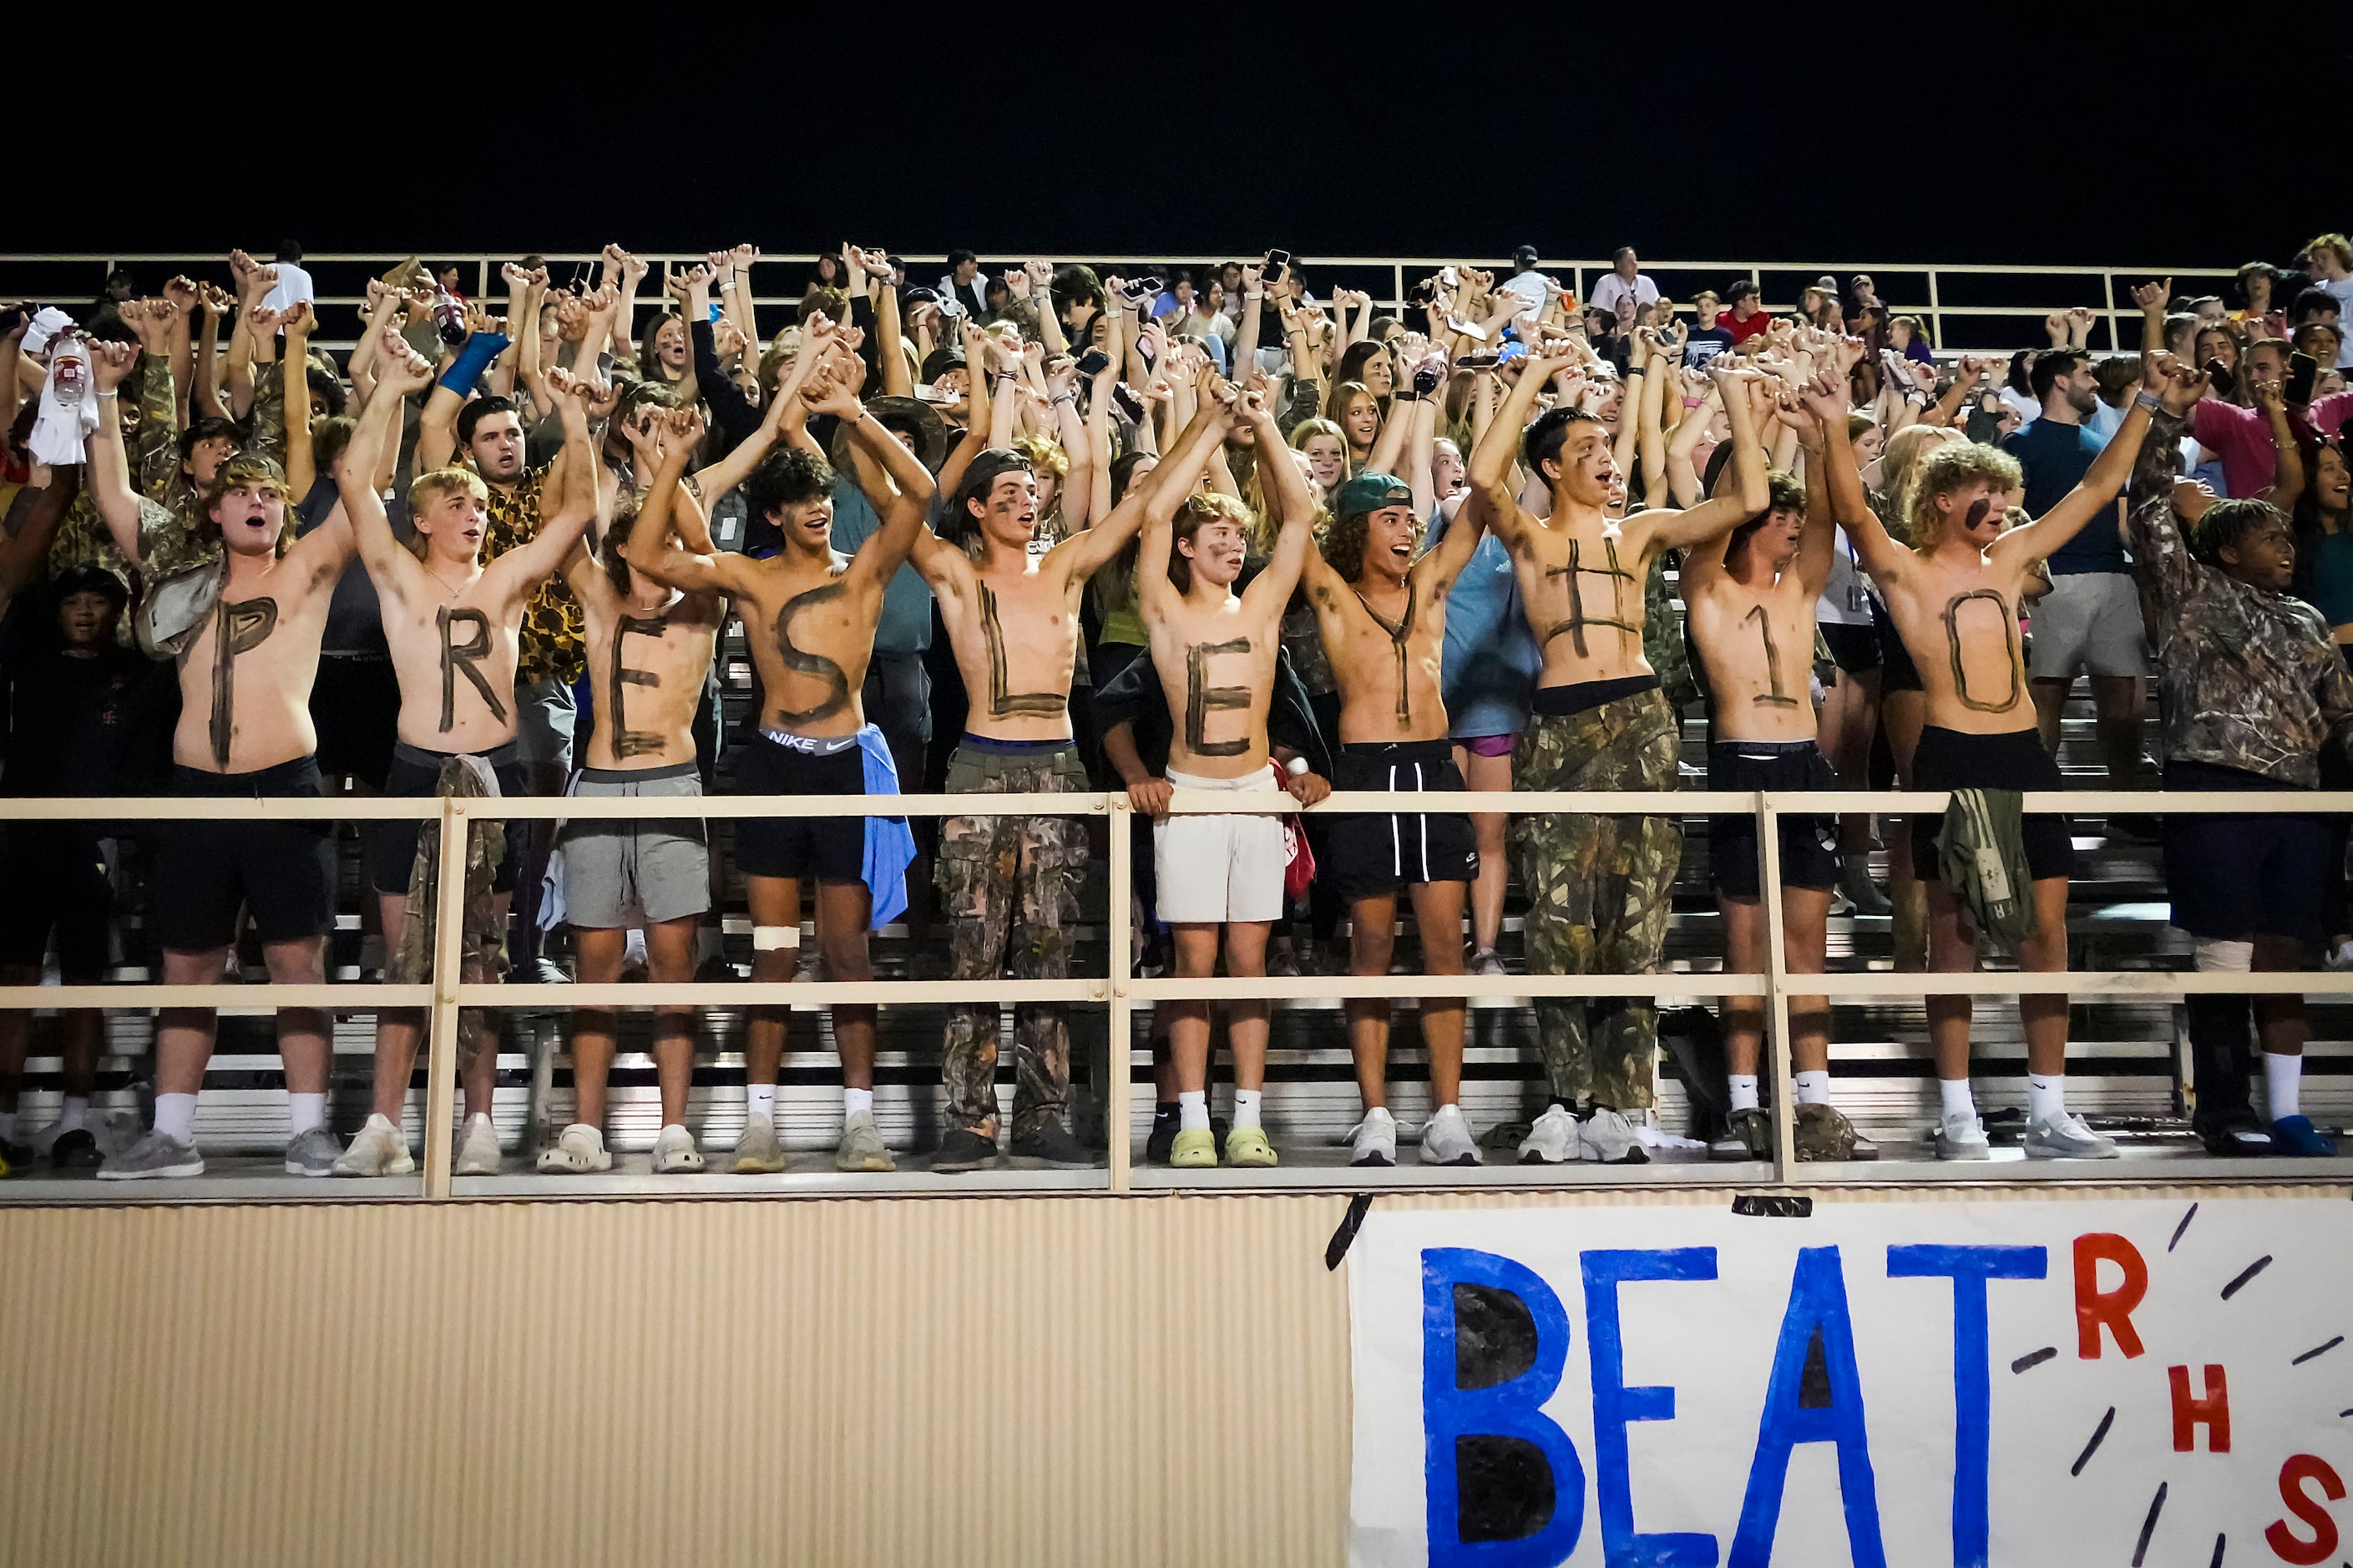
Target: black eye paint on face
1978	509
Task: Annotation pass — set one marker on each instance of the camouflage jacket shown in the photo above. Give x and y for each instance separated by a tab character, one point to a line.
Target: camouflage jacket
2251	679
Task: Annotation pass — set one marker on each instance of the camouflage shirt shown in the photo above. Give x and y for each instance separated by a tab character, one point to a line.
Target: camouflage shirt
555	637
2251	679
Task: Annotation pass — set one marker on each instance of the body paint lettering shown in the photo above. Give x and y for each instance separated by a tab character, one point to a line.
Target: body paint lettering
1399	631
816	665
1578	620
458	659
1777	698
628	742
1201	698
1002	702
2010	647
237	628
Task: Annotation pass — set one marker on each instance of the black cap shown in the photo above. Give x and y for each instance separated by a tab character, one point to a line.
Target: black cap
89	578
1524	258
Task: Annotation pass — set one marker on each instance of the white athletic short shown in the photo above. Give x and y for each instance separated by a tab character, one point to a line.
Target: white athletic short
1214	869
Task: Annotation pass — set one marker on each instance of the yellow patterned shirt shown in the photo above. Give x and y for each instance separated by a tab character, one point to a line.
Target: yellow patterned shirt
554	638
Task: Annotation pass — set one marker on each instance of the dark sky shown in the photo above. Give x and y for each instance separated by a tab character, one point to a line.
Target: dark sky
1991	134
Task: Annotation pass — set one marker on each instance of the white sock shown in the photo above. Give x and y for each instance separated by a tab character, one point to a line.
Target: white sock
1958	1101
2046	1098
633	947
306	1112
7	1127
176	1117
1193	1110
854	1101
1743	1091
1246	1107
2283	1083
1814	1087
75	1115
761	1097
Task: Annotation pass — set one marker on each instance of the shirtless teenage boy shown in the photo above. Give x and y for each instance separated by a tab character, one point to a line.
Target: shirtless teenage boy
1749	601
1008	885
452	626
1953	595
1215	652
1598	887
650	649
1382	615
810	616
245	732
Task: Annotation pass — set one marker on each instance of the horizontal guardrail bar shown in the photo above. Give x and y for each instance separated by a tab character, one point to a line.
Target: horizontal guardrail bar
773	992
226	994
1284	988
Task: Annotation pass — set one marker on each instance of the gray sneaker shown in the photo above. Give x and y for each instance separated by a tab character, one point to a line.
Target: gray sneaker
152	1156
314	1154
861	1145
1552	1139
1446	1139
1610	1136
1961	1137
2065	1137
757	1151
1373	1140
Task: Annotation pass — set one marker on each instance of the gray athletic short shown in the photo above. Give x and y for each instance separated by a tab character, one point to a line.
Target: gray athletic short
2090	623
624	872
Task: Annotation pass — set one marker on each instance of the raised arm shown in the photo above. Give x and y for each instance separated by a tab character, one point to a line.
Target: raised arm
1294	546
1159	492
400	372
301	471
25	554
108	472
566	510
1491	459
2161	557
1834	485
901	505
1748	496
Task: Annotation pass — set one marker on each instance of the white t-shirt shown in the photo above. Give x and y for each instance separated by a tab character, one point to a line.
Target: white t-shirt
1529	286
1610	287
294	284
2343	289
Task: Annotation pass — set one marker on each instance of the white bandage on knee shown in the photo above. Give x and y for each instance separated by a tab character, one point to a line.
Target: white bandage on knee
2225	957
769	939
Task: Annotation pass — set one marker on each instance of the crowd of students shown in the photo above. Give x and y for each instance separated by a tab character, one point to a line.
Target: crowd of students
1041	531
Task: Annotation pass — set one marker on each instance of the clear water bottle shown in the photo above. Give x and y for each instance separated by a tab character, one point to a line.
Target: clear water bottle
69	368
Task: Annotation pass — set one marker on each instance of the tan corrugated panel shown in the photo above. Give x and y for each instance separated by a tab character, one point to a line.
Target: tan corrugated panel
1030	1381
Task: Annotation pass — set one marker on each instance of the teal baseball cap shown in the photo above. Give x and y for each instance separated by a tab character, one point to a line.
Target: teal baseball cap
1369	492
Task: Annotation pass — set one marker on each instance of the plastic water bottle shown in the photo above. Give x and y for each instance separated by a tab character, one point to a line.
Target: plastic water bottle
449	318
69	372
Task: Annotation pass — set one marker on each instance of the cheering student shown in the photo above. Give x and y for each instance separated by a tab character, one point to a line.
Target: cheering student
453	626
810	616
1748	599
1598	886
650	649
245	733
1953	595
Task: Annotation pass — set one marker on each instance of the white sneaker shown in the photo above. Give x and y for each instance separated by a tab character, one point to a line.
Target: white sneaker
1485	963
861	1147
2065	1137
757	1151
1961	1136
1373	1140
1551	1140
2340	958
378	1150
675	1153
578	1151
478	1154
1610	1136
1446	1139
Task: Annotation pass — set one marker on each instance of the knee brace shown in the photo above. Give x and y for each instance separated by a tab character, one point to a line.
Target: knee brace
771	938
2225	957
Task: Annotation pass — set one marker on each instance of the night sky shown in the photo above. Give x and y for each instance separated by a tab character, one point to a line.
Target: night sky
1961	135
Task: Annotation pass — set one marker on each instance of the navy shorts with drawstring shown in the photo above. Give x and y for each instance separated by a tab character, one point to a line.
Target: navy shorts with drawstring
1373	855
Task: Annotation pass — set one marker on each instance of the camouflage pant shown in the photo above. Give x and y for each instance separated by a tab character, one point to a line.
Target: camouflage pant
1598	889
1009	890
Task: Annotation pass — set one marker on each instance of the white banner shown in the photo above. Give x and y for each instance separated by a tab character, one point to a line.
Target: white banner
2023	1384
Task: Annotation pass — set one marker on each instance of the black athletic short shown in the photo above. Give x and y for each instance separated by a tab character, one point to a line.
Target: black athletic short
416	773
1854	649
829	848
1948	759
355	707
56	880
282	871
1377	854
1810	853
2236	878
1897	672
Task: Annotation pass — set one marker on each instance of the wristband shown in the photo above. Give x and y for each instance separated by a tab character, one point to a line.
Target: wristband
2148	402
471	361
1633	370
1296	767
1693	402
108	390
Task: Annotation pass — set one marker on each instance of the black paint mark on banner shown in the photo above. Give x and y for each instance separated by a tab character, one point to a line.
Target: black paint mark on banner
2318	1351
2033	1359
1773	1205
628	742
237	628
2183	1226
1201	698
2099	1435
1345	1236
457	658
2148	1525
2249	1272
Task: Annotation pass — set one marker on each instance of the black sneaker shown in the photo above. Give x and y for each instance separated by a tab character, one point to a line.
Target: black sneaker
1052	1143
1165	1122
963	1149
2231	1134
76	1150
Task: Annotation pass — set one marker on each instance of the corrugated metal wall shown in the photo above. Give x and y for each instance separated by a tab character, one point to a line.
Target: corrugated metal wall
1032	1382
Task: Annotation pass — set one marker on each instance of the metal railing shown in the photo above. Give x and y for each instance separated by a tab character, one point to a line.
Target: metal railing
1941	294
445	995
